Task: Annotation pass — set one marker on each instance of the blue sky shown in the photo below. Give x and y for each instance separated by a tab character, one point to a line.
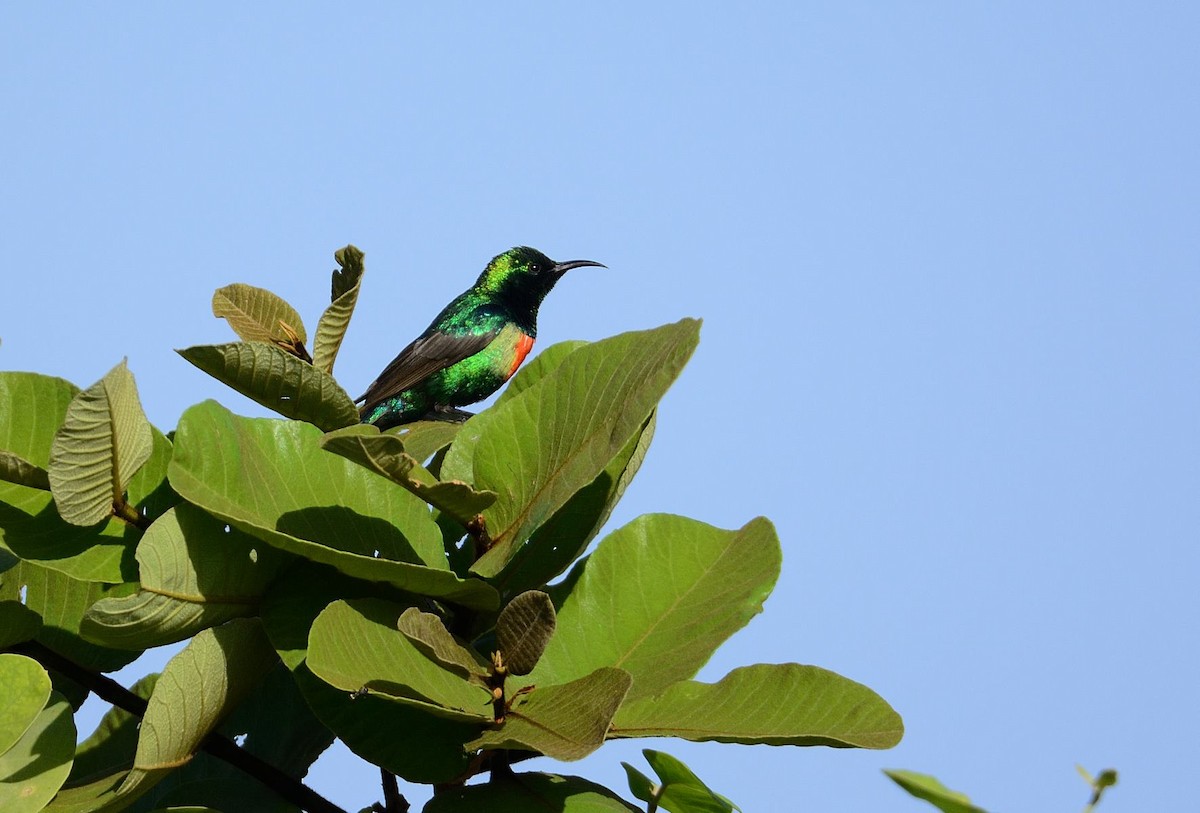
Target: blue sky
947	256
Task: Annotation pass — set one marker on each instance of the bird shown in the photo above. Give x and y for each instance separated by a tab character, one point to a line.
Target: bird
471	348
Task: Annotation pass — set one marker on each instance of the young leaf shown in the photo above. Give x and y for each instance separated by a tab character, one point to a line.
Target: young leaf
343	297
26	690
773	704
427	632
32	407
272	480
524	629
523	792
277	380
357	644
565	722
639	784
196	690
385	455
658	596
542	446
257	315
35	767
196	572
926	787
103	441
681	791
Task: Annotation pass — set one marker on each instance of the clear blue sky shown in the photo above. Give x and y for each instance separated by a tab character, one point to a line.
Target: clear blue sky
948	258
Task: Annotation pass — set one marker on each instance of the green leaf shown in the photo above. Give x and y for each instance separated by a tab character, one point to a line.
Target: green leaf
61	602
639	784
16	469
565	722
537	449
277	380
256	314
196	690
272	480
523	792
108	751
681	790
658	596
35	767
565	536
103	441
926	787
196	571
17	623
32	407
416	746
385	455
524	629
774	704
427	632
422	439
26	690
539	367
343	297
357	644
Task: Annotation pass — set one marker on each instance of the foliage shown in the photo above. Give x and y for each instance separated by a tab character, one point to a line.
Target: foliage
929	789
391	590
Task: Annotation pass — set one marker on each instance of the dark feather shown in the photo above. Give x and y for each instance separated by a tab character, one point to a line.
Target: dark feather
419	360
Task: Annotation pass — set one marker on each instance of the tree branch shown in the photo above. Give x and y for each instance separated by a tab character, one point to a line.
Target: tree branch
215	744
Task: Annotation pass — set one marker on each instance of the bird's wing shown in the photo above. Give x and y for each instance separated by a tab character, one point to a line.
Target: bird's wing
419	360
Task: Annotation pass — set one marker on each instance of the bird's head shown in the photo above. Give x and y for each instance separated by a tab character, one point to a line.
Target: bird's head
524	275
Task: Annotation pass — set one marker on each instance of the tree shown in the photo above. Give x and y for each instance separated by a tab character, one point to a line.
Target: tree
400	591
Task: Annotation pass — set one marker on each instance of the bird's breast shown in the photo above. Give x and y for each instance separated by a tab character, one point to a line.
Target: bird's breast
521	350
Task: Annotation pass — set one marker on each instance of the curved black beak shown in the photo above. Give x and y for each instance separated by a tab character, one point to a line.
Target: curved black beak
562	268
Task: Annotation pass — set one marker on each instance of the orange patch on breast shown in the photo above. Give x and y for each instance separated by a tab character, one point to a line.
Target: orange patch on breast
524	344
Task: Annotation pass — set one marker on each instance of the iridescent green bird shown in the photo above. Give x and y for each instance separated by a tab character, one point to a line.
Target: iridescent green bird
473	346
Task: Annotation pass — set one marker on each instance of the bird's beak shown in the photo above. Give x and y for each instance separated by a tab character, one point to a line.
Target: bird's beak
562	268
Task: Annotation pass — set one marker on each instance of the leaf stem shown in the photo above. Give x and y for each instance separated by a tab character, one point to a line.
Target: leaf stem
393	801
215	744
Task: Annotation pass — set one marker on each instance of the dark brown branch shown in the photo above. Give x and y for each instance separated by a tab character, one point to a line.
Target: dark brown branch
215	744
393	802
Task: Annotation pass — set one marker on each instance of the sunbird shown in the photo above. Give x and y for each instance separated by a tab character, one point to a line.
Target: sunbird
472	347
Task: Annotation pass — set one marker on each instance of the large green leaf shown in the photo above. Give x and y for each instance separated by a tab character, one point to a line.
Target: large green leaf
929	789
277	380
561	540
343	297
61	602
658	597
357	645
35	767
26	690
257	315
103	441
775	704
523	792
385	455
32	407
414	745
565	722
274	724
196	572
271	479
197	689
537	449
